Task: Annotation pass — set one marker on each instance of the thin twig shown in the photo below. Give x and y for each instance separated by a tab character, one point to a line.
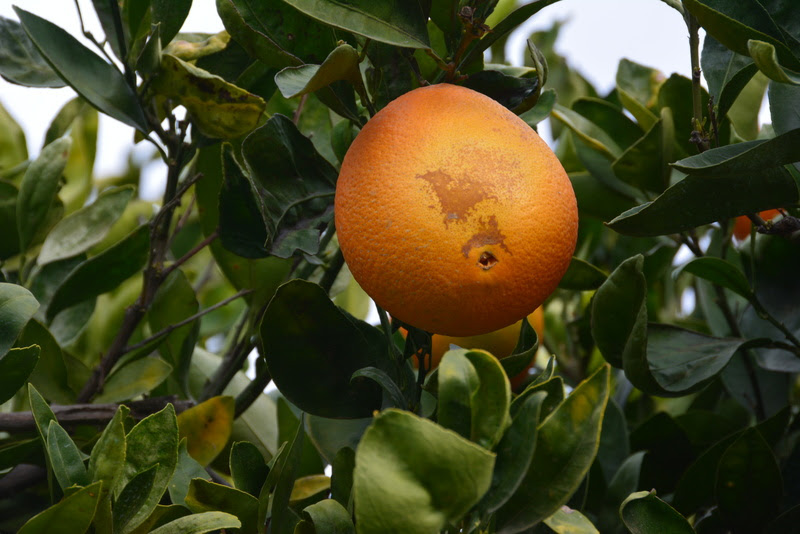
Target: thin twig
92	38
173	327
253	390
335	265
299	110
182	221
190	254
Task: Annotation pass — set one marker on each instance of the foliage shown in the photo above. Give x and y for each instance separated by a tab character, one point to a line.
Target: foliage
125	332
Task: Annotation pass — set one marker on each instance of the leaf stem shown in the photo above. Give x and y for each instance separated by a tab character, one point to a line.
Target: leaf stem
253	390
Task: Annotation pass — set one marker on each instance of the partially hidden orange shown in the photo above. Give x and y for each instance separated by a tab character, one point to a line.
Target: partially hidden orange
741	227
453	214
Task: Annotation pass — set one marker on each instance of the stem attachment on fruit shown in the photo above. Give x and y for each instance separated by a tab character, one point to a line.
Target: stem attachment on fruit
487	260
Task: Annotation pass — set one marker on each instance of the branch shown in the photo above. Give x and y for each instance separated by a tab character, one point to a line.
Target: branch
91	414
189	255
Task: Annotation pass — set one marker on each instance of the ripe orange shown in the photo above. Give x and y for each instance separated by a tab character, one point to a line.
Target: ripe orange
741	227
452	213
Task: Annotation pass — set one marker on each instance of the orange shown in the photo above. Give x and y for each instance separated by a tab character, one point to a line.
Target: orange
500	343
452	213
741	227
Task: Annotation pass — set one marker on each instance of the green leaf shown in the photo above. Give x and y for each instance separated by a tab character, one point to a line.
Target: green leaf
395	460
582	276
645	164
50	374
247	466
750	156
73	515
13	148
566	446
313	372
186	470
152	442
39	188
569	521
199	523
610	118
341	64
637	88
207	496
514	453
175	301
544	106
457	381
329	436
393	22
170	14
282	478
65	458
618	310
784	107
103	272
766	59
16	365
748	482
133	498
17	306
644	513
20	61
719	272
218	108
42	414
725	71
596	199
80	231
595	137
329	517
720	21
106	463
698	200
382	378
133	379
82	68
294	185
309	462
517	93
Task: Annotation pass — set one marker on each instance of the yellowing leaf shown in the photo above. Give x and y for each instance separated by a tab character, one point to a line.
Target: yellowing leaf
207	428
305	487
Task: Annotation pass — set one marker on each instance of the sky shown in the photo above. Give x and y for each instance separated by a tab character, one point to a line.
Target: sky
597	34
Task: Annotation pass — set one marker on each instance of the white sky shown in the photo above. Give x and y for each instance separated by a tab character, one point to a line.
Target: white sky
598	34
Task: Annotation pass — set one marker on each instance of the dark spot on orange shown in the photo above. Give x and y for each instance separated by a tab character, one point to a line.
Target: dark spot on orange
487	260
489	234
457	196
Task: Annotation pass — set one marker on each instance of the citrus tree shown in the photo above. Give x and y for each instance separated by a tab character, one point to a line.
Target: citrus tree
129	404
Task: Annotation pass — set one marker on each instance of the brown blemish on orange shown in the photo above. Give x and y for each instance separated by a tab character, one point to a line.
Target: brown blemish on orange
489	234
487	260
457	196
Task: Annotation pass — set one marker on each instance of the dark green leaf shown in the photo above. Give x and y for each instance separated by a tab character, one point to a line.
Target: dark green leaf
20	61
675	94
719	272
107	461
748	482
72	515
14	147
170	14
644	513
17	306
39	188
393	22
457	382
386	383
309	462
726	72
241	226
539	112
566	446
587	131
65	458
748	157
582	276
510	91
294	184
16	366
698	200
207	496
103	272
395	460
9	240
696	485
618	310
282	478
784	107
42	414
314	372
82	68
133	498
609	118
342	475
596	199
329	436
80	231
248	468
329	517
514	453
645	164
614	447
341	64
735	24
766	60
218	108
553	386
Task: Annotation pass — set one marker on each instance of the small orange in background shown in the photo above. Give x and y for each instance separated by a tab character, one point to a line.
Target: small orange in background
500	343
453	214
741	227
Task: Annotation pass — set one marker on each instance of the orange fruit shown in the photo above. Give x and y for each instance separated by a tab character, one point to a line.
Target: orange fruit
741	227
500	343
452	213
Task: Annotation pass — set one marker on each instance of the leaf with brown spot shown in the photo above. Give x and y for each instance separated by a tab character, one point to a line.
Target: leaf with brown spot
207	428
